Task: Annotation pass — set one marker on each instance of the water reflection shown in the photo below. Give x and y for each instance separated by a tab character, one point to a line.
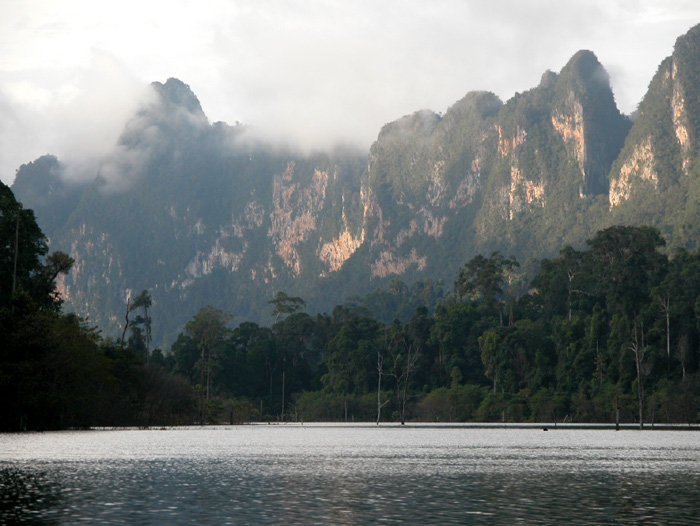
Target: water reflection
349	476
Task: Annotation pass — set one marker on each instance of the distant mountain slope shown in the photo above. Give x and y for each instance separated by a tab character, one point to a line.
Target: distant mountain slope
199	213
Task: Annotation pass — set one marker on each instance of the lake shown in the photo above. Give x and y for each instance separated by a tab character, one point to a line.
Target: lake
350	475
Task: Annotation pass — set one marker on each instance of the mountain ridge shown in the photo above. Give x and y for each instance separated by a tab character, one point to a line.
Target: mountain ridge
198	213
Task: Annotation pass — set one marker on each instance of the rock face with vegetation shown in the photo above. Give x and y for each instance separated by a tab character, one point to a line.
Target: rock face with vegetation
655	179
201	214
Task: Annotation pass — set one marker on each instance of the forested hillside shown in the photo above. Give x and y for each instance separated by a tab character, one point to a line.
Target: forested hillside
608	332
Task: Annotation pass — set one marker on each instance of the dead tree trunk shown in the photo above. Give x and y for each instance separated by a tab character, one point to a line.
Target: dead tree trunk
683	354
665	304
202	379
283	388
126	317
402	380
380	373
16	254
639	349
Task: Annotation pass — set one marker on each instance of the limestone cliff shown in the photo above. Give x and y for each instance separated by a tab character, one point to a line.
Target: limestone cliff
294	214
638	166
425	174
658	163
556	144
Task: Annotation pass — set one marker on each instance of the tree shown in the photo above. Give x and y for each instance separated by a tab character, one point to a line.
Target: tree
380	373
294	339
628	265
490	345
639	349
482	280
283	305
142	301
208	329
351	354
404	356
664	302
24	269
126	318
455	333
259	354
675	298
559	281
56	263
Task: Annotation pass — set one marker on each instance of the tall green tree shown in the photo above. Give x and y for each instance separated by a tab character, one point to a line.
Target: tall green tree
284	305
628	265
141	326
209	329
481	280
351	357
25	268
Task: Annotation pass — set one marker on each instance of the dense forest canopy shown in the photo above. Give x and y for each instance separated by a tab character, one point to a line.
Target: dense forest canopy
614	328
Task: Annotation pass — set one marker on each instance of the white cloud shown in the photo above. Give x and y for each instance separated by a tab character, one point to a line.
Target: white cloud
309	71
79	121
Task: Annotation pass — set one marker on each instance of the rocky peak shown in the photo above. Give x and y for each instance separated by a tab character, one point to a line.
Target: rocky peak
587	118
174	115
178	94
685	101
420	123
38	181
40	185
585	66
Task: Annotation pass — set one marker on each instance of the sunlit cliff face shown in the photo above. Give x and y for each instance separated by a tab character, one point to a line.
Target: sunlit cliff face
639	165
680	115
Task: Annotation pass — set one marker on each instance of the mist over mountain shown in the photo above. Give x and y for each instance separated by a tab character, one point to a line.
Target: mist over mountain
201	213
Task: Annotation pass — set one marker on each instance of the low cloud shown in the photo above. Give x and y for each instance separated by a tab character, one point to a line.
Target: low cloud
80	122
302	73
318	73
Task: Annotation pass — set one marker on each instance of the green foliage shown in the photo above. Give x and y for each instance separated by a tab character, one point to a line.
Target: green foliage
458	403
284	305
482	279
398	300
627	260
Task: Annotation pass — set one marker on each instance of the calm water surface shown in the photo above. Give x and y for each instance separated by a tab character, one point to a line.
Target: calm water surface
293	474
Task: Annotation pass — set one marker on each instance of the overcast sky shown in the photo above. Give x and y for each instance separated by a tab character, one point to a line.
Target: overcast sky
313	72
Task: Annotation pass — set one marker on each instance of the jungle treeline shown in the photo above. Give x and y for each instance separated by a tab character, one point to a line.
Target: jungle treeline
609	331
603	333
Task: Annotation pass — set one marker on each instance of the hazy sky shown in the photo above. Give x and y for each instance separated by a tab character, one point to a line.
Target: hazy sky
313	72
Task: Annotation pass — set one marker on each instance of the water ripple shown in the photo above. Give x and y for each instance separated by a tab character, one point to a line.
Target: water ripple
349	476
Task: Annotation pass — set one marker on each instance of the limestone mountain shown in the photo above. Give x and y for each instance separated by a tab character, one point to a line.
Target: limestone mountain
201	213
197	215
516	177
656	179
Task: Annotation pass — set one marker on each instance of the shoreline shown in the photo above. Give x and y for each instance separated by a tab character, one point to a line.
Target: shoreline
544	426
